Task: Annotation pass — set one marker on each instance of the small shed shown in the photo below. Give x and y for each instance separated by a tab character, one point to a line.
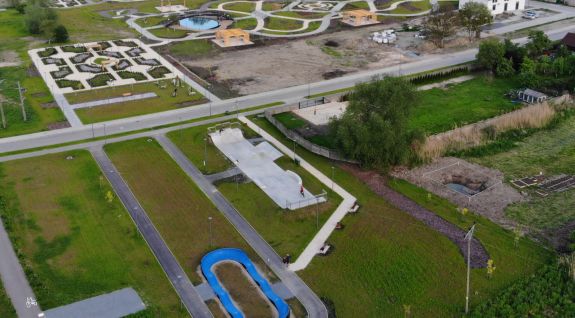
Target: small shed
530	96
359	17
569	41
232	37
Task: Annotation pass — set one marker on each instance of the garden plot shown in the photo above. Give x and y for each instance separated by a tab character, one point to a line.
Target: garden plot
92	65
67	3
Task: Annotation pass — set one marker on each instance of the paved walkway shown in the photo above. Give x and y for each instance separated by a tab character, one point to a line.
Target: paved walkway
323	234
14	279
113	100
188	294
116	304
312	303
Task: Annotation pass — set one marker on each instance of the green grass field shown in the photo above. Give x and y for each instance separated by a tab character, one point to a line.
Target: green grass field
301	15
240	6
288	232
72	242
192	48
174	203
147	22
356	5
169	33
6	309
385	259
245	24
412	7
549	151
164	101
280	24
464	103
15	38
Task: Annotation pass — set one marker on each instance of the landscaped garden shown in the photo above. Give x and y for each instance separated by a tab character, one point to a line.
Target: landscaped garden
75	240
162	102
408	264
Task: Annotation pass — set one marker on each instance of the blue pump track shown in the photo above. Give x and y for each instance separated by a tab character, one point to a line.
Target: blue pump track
238	255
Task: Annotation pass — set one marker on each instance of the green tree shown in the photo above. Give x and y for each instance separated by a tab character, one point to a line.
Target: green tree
514	52
491	53
538	43
61	34
440	26
528	73
505	68
473	16
374	128
39	17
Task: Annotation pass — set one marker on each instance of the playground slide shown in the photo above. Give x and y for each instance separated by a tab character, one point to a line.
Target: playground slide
237	255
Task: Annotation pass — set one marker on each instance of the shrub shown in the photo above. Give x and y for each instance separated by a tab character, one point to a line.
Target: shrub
135	75
61	34
100	80
159	72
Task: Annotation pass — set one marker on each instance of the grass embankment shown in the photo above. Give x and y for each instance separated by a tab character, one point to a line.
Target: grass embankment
385	259
14	41
468	102
280	24
293	121
552	152
240	286
178	208
6	309
164	101
240	6
412	7
381	5
72	242
301	15
169	33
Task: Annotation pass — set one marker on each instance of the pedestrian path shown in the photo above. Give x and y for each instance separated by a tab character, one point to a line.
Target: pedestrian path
113	100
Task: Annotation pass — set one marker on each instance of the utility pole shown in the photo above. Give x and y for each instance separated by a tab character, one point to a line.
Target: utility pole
469	238
22	102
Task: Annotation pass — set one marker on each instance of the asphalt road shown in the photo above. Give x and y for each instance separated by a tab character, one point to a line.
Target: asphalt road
287	95
311	302
188	294
14	279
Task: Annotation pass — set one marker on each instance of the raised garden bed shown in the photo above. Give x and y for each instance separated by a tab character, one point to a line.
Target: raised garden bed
122	65
159	72
74	49
100	80
85	68
51	60
105	44
137	51
47	52
61	72
125	43
149	62
135	75
68	83
80	58
117	55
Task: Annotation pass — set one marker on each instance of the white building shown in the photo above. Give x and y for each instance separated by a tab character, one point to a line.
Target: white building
498	6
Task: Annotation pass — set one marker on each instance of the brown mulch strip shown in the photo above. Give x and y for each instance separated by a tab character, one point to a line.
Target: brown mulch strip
58	125
378	184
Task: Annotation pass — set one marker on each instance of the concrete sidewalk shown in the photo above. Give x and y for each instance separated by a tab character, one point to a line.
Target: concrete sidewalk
348	201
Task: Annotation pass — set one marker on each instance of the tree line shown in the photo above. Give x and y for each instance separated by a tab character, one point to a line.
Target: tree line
41	19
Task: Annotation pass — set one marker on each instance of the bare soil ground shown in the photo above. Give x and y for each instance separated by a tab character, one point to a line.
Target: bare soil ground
490	203
298	62
9	58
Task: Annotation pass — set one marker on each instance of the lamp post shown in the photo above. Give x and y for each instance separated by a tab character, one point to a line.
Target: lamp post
205	150
332	176
294	160
469	238
210	226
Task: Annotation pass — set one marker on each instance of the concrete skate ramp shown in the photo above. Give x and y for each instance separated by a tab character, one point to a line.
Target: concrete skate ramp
116	304
257	162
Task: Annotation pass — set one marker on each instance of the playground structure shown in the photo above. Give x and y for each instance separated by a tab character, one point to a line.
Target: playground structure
232	37
359	18
238	256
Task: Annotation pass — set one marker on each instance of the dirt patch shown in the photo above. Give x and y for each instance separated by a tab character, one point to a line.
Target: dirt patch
49	105
58	125
378	184
283	63
9	58
490	202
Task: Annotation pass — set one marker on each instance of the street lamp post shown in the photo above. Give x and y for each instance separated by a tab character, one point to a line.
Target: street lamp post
205	150
469	238
316	212
332	176
210	226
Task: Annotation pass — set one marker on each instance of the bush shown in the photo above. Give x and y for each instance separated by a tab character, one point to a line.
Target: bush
135	75
61	34
100	80
159	72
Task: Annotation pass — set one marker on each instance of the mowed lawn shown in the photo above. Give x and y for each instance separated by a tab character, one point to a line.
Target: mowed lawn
287	231
164	101
385	259
465	103
178	208
6	309
549	151
73	243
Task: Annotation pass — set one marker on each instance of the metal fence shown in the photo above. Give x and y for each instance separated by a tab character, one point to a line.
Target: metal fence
300	140
223	126
311	102
317	199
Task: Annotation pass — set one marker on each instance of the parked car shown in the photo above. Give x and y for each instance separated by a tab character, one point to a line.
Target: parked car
530	15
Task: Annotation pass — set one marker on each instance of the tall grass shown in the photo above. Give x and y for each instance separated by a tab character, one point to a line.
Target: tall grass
480	133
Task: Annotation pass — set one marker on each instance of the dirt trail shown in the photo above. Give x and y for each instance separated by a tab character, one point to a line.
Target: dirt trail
378	184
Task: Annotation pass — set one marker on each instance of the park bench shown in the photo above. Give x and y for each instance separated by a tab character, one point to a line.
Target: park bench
354	208
324	250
